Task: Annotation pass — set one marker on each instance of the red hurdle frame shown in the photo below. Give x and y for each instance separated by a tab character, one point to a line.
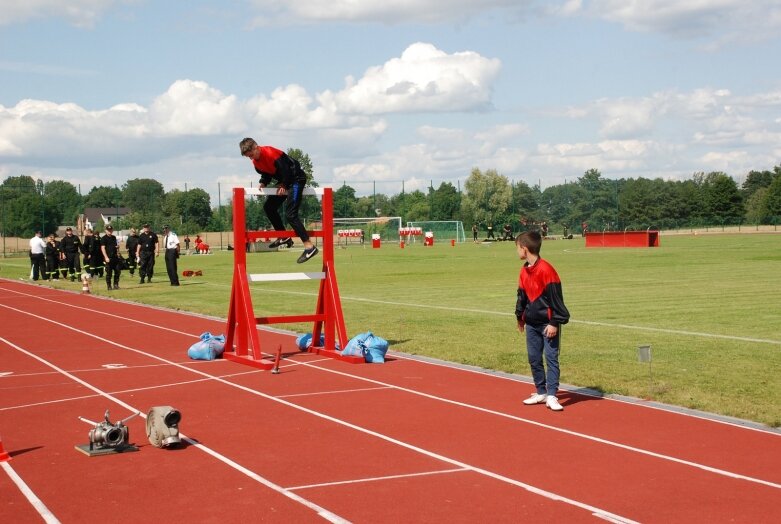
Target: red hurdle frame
243	342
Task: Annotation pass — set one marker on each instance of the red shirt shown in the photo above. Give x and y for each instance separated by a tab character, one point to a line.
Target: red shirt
265	163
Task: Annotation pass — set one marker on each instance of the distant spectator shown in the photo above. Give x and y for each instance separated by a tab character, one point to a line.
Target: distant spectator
96	255
38	256
70	245
187	242
507	232
109	248
148	248
131	244
474	232
52	258
490	231
171	245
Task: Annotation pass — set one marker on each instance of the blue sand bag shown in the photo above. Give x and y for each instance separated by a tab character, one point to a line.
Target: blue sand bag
209	347
371	347
376	347
304	341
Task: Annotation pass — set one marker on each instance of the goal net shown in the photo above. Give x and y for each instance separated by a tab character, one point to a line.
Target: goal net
442	229
355	230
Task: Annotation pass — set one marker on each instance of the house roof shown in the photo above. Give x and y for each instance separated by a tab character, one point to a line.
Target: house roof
96	214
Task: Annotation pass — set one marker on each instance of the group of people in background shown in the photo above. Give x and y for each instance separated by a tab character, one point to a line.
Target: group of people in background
98	256
507	230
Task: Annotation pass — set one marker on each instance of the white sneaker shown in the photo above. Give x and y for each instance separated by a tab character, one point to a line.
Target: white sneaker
536	398
553	403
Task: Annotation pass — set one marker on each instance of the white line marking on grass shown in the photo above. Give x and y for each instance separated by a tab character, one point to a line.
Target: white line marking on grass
374	479
504	314
31	497
528	487
324	513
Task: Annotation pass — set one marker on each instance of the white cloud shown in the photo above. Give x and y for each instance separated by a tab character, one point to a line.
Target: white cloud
723	20
82	13
194	108
379	11
610	156
714	116
423	79
191	108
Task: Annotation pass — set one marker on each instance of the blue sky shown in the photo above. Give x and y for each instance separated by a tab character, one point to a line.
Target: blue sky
97	92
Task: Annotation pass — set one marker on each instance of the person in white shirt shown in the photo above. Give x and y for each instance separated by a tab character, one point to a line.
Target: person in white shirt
171	244
37	256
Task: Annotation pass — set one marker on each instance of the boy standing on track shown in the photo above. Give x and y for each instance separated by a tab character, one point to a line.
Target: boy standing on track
540	311
270	162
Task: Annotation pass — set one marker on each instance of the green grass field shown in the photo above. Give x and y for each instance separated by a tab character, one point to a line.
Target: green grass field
710	306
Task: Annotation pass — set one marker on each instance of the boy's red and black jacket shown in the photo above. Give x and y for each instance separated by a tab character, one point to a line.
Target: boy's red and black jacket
540	300
274	163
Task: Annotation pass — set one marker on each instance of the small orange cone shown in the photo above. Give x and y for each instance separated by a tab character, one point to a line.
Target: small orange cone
4	456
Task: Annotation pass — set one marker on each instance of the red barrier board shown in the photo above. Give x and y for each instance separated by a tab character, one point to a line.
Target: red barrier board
623	239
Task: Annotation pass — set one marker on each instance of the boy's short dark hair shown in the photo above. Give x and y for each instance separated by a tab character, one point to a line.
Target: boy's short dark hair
247	145
531	240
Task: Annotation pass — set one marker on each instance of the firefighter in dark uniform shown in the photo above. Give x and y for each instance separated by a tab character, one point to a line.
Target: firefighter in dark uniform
61	262
109	248
148	248
86	250
96	256
132	246
70	246
52	258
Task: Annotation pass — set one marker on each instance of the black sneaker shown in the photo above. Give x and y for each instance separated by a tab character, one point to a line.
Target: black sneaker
278	242
307	254
142	281
116	286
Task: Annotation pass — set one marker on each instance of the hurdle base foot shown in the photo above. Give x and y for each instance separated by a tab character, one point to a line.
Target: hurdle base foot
247	360
330	353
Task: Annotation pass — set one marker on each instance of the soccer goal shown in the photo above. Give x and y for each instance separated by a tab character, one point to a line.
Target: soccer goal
356	230
442	229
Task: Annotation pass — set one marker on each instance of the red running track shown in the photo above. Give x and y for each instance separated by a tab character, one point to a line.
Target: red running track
406	441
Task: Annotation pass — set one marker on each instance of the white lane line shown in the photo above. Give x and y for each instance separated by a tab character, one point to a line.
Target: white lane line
666	408
322	512
528	487
597	439
132	390
334	392
31	497
558	429
106	367
375	479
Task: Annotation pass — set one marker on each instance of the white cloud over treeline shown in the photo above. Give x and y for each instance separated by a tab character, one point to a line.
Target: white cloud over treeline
423	79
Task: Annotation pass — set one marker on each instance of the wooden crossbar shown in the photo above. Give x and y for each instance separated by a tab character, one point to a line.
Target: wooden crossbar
275	277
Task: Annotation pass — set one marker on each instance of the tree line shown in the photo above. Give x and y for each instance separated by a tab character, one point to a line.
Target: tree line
706	199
